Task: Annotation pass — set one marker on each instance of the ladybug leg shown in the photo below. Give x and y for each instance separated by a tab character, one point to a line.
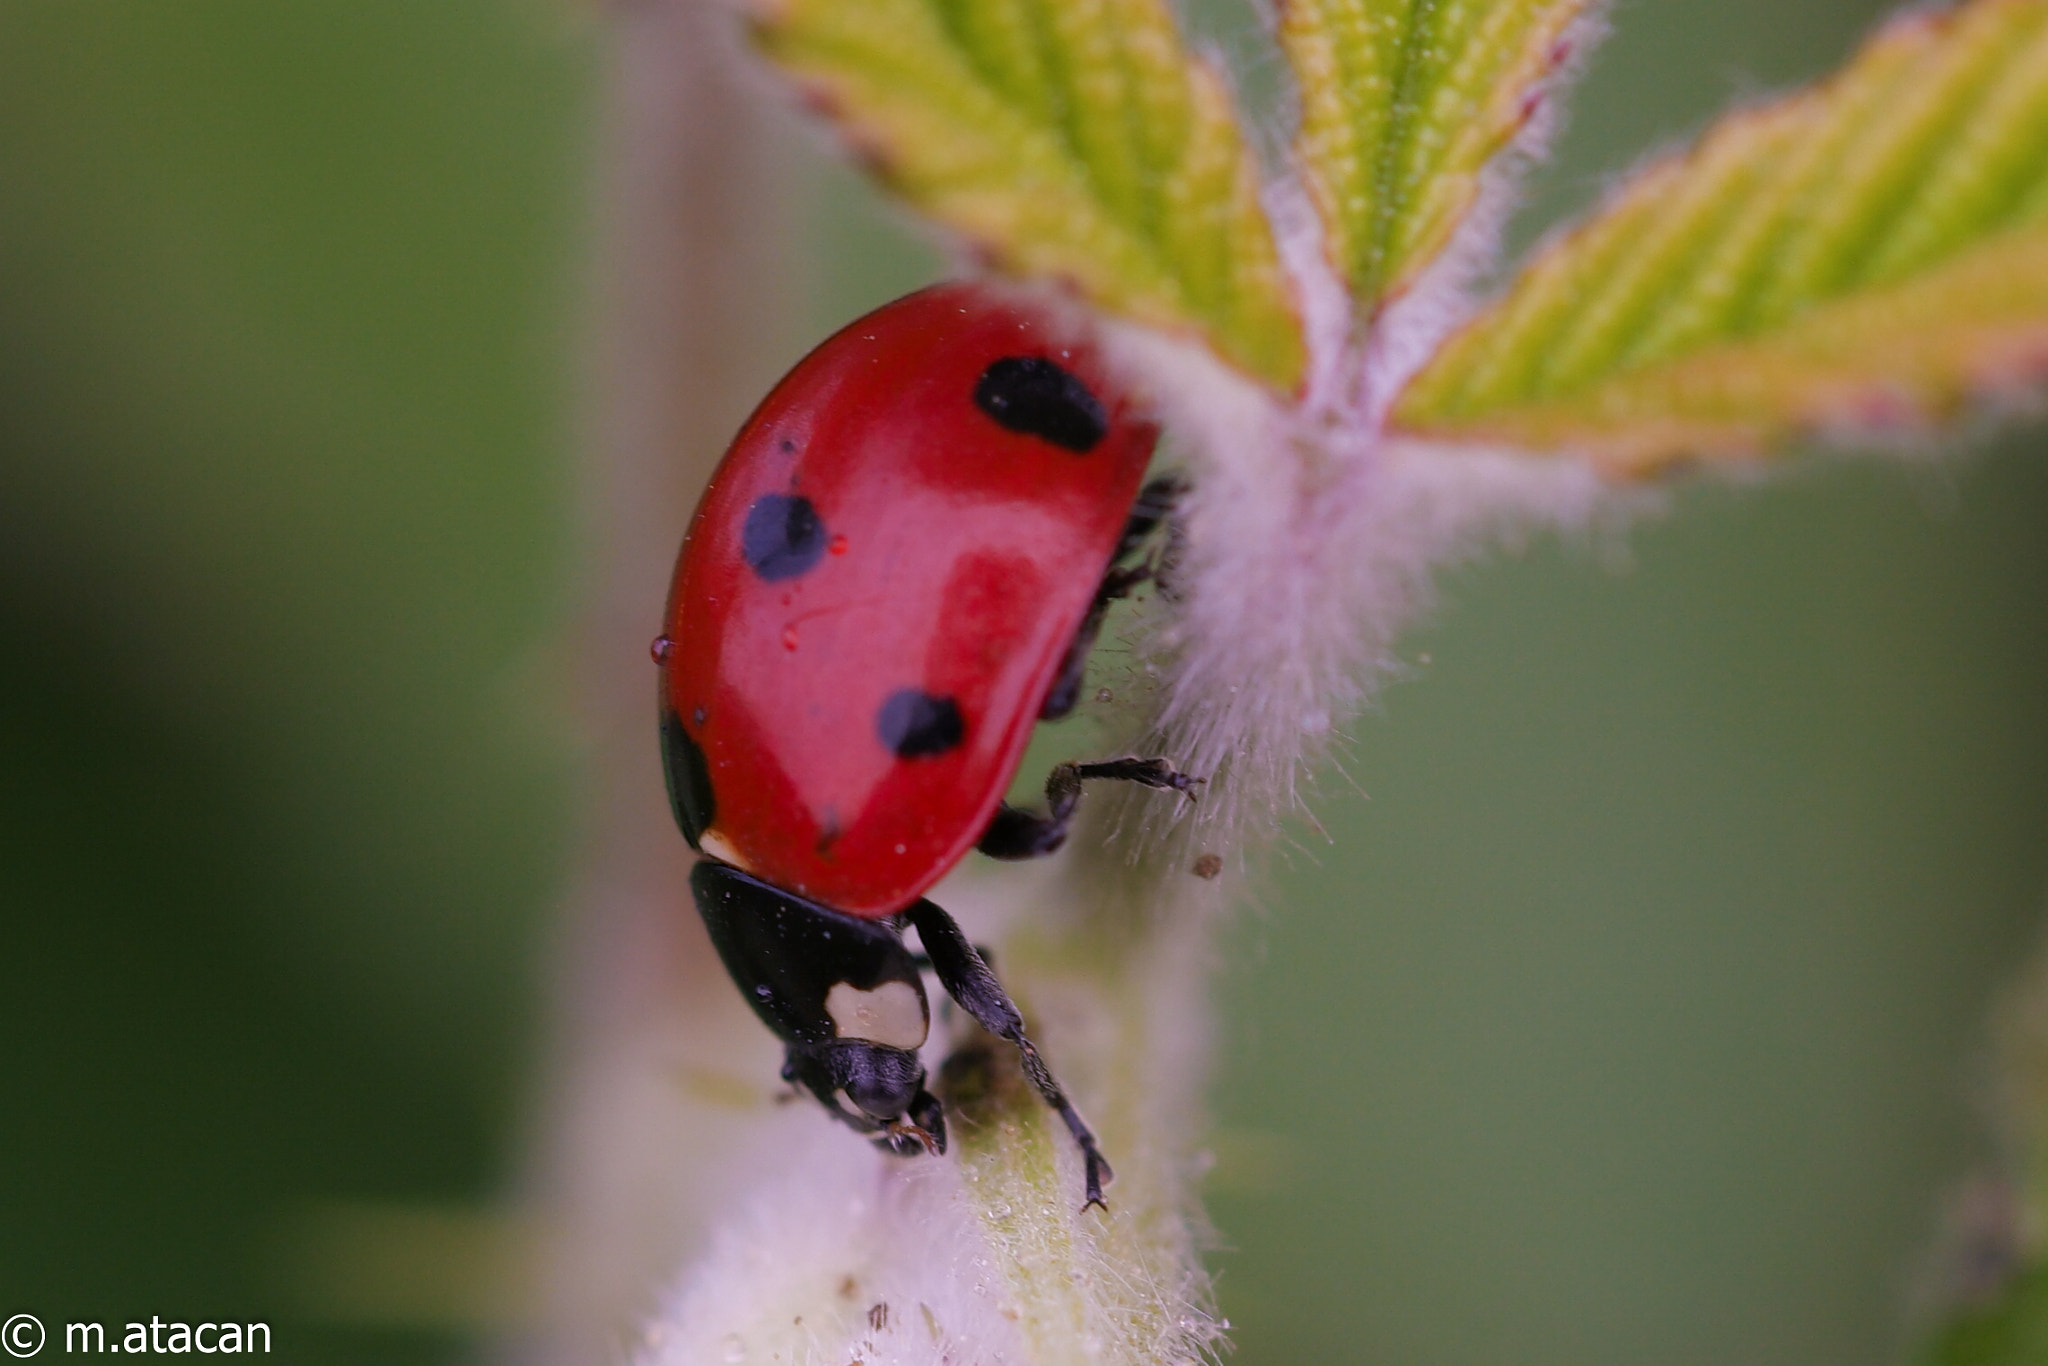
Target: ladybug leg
924	960
1155	501
1065	691
1018	834
968	980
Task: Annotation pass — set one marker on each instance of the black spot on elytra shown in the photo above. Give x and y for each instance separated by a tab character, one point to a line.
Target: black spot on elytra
917	725
783	536
689	776
1031	395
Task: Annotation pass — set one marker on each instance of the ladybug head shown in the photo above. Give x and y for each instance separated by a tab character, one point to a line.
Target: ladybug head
874	1088
843	993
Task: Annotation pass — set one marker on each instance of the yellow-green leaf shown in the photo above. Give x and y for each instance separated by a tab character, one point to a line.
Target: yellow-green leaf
1866	255
1076	140
1404	103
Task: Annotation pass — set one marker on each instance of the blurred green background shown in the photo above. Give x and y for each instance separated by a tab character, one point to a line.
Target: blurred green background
1630	1017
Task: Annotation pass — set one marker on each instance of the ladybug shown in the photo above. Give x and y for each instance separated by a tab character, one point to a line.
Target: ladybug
897	570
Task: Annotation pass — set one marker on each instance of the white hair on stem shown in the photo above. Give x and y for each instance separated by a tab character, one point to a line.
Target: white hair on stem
1310	544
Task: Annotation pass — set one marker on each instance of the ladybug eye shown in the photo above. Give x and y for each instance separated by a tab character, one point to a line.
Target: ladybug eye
1032	396
783	536
917	725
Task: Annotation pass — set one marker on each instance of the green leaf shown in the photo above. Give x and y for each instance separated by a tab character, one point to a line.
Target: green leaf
1071	139
1404	103
1870	254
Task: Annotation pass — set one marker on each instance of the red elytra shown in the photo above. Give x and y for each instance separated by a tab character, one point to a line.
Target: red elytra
879	588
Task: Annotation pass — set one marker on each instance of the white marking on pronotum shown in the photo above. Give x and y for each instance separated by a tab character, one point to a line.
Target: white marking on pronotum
891	1015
